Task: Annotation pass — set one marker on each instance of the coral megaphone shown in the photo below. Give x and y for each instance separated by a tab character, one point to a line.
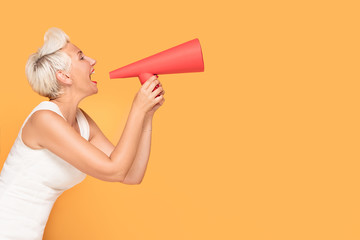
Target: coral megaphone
184	58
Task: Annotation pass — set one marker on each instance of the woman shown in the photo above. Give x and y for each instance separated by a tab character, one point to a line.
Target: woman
59	144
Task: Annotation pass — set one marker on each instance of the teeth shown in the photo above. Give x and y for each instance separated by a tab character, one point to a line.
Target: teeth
92	73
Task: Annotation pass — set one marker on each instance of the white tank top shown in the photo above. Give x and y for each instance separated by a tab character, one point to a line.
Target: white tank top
30	182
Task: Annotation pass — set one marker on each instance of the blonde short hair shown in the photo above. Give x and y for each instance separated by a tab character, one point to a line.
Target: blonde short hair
42	66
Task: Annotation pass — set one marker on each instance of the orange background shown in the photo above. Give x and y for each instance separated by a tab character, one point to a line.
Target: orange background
263	145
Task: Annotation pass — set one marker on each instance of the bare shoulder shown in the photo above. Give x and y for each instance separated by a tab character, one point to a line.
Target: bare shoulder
47	129
37	124
45	118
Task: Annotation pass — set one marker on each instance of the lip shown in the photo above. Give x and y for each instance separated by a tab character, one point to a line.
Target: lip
94	82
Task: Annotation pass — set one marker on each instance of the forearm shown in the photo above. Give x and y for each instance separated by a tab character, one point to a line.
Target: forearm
126	149
138	168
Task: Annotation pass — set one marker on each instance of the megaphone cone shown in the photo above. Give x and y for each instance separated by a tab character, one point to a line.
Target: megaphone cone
184	58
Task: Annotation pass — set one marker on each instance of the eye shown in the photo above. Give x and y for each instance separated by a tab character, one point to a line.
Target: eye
82	58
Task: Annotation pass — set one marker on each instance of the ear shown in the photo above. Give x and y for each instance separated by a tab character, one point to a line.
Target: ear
63	78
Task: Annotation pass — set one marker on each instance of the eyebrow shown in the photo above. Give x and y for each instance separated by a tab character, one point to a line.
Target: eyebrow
79	53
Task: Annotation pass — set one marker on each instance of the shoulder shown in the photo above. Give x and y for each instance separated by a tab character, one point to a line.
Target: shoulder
41	124
45	117
44	121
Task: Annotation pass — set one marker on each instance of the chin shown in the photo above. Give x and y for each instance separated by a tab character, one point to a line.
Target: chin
94	89
94	92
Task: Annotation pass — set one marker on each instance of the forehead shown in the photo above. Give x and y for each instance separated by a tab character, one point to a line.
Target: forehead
71	49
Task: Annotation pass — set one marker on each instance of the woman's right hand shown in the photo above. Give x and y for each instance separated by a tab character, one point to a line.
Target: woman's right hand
146	98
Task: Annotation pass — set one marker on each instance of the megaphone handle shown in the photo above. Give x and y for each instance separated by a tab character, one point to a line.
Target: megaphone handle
144	77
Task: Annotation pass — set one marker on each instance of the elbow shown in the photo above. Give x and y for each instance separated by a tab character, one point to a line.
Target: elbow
128	178
131	181
121	175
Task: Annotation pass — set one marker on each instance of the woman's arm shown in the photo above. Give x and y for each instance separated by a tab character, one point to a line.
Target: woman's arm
138	168
137	171
53	133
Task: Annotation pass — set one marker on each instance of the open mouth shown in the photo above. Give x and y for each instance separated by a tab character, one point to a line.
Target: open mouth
92	72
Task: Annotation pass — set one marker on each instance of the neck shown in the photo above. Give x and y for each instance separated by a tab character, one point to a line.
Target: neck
68	107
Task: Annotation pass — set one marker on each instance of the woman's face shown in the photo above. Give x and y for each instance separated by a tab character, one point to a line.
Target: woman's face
81	69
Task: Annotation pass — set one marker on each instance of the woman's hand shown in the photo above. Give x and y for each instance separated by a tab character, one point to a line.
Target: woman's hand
157	106
147	100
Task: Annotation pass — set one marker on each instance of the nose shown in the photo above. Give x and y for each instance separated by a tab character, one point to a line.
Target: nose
91	61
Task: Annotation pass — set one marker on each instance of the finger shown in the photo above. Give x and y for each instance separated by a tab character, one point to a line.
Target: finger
156	92
153	84
159	99
162	93
148	82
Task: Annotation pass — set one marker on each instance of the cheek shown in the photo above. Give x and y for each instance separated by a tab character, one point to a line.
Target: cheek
78	71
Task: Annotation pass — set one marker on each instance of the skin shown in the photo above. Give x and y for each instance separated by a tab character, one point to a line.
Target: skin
127	161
